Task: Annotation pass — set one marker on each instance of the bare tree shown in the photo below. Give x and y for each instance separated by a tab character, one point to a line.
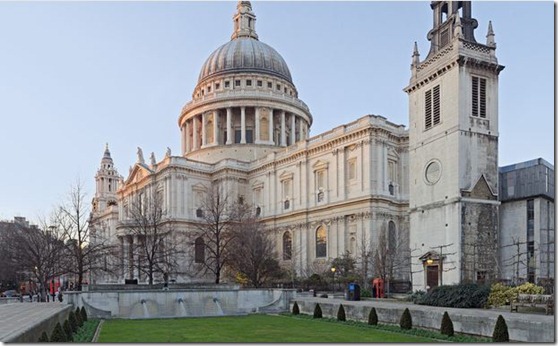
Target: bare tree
252	251
215	230
38	252
391	257
72	220
158	247
365	259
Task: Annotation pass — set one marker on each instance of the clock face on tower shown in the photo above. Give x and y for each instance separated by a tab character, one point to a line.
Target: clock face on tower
433	172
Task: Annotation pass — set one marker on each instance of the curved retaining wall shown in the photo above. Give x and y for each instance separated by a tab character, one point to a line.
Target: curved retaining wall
136	304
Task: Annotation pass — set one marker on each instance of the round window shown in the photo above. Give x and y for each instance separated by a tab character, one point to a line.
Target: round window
433	172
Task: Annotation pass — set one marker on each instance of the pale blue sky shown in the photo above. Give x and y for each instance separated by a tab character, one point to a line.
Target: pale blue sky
75	75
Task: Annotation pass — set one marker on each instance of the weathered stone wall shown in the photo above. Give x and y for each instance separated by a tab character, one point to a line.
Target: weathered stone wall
526	328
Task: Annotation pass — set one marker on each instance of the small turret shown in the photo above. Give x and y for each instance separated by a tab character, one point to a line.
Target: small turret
244	21
490	36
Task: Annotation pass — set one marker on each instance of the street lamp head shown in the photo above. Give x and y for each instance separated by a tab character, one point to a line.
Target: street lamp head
430	261
333	269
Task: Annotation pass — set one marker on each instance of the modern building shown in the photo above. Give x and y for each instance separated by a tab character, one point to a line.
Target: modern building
527	212
431	190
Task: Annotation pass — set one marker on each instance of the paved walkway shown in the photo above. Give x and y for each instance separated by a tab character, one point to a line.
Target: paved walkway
16	318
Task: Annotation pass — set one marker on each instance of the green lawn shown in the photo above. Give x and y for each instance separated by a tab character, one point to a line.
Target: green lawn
251	328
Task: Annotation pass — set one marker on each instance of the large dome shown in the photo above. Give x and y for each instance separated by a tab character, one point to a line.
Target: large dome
245	54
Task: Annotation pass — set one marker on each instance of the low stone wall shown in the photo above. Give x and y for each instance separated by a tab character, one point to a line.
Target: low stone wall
521	327
149	303
32	332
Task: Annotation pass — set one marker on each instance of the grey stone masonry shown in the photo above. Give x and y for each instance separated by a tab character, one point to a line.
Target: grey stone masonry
522	327
25	322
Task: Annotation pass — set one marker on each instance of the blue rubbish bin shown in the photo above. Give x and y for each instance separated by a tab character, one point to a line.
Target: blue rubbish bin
354	291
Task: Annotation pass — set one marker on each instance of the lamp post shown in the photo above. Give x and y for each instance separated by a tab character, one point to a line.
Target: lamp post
333	272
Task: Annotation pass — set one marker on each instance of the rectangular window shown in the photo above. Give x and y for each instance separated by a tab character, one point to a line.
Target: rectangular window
320	180
269	85
260	83
209	89
227	84
432	107
478	101
278	86
444	38
248	82
237	82
217	85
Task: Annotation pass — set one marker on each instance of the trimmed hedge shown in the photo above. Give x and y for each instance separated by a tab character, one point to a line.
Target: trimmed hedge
58	334
317	311
341	313
79	321
447	325
83	314
296	310
68	330
456	296
500	333
43	338
406	322
373	317
73	322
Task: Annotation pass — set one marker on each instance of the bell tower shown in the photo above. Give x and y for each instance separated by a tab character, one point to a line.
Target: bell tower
453	150
107	180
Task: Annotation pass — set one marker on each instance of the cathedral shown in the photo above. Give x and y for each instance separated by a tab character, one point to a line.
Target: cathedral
430	189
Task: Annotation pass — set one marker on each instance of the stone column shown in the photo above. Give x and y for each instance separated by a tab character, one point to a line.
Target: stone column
204	137
216	127
122	257
300	129
195	140
293	128
283	133
243	125
271	126
229	126
257	120
130	257
187	136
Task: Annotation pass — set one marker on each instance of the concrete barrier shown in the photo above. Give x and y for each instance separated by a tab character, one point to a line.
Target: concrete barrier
479	322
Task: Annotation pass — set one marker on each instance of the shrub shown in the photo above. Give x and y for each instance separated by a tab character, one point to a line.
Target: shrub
79	321
44	337
365	293
406	322
457	296
317	311
373	317
296	310
417	296
58	334
324	295
83	314
528	288
68	330
341	313
500	294
447	325
73	322
500	333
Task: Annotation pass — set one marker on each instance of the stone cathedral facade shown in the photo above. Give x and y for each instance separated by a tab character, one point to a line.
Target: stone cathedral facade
433	187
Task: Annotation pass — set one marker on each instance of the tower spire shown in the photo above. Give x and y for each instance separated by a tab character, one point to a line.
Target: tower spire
244	21
490	36
416	55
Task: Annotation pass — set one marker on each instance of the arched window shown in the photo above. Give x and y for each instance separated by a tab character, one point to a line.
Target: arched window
287	246
321	242
199	249
392	237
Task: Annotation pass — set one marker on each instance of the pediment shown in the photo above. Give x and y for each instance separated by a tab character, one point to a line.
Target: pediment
286	175
139	171
199	187
258	184
320	165
481	190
